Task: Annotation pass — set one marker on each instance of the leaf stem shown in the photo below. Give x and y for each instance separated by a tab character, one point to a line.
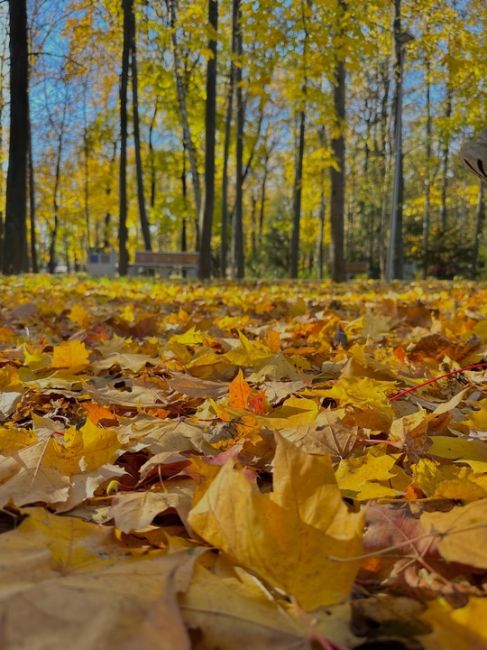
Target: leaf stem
411	389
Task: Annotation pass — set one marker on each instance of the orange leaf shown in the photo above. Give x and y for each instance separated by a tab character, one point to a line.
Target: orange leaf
96	412
239	392
256	403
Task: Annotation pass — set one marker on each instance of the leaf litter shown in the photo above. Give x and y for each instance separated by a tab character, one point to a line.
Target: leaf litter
216	466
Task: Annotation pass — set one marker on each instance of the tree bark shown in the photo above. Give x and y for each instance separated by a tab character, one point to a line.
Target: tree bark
298	172
238	244
183	111
445	160
15	258
108	192
123	256
3	59
52	263
427	180
144	220
337	207
184	187
226	152
206	216
479	228
394	266
152	198
34	265
297	194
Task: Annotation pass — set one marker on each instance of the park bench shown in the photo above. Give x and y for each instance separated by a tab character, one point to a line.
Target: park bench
356	268
164	264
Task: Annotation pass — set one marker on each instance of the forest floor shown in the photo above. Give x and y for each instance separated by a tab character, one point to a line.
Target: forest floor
242	465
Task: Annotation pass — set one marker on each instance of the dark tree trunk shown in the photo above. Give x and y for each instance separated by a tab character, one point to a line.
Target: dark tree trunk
427	180
337	208
32	209
152	199
297	194
15	258
238	244
263	191
394	266
206	217
183	110
184	187
86	179
123	256
253	222
3	59
52	263
226	152
144	221
298	171
445	160
479	228
108	192
322	214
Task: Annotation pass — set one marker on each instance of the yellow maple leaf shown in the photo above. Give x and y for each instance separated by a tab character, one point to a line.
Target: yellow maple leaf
82	449
446	481
190	337
290	535
462	533
456	629
79	315
362	393
71	355
363	477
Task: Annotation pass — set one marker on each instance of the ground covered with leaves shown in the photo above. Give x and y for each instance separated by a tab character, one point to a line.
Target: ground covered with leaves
242	465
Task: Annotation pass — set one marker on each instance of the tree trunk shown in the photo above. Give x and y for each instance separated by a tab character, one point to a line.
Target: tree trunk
337	207
226	152
206	216
86	178
152	199
298	172
238	247
3	59
34	265
184	187
144	221
445	160
427	180
263	191
123	256
52	263
394	266
183	111
15	259
479	228
384	152
297	193
320	257
108	192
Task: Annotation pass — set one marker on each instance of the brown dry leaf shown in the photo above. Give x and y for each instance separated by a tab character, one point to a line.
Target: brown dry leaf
226	611
194	387
134	511
70	593
33	481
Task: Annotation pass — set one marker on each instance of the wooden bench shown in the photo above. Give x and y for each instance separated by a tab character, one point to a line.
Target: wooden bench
356	268
163	264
